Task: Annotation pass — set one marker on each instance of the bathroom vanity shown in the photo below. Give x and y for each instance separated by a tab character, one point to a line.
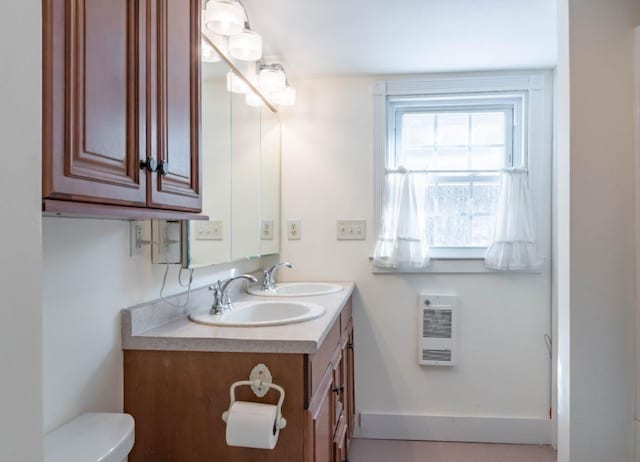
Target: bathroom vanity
177	376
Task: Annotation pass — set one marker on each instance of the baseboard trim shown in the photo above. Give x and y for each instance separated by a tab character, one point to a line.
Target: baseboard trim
445	428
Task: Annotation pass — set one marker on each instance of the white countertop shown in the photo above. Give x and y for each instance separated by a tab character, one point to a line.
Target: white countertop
144	329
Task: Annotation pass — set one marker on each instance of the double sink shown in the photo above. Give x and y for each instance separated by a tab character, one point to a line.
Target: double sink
258	313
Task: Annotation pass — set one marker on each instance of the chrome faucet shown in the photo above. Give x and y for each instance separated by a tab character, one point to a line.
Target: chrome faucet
268	282
221	299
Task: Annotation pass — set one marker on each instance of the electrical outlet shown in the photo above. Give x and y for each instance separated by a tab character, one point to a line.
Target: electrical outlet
209	230
167	237
351	230
136	238
294	230
266	230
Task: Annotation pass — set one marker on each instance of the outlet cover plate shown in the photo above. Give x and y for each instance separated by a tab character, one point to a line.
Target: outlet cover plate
351	230
294	230
266	230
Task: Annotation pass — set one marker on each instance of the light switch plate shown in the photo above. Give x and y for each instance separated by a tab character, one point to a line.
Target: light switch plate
210	230
266	230
294	230
351	230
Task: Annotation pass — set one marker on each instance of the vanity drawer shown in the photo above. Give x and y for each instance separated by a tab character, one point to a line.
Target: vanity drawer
319	362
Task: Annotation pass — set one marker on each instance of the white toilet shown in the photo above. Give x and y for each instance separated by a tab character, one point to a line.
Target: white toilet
93	437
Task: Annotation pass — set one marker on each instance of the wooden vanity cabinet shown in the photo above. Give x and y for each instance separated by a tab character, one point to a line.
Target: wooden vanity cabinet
177	399
121	104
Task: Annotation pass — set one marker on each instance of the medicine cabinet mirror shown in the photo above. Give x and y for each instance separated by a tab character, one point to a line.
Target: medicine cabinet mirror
240	175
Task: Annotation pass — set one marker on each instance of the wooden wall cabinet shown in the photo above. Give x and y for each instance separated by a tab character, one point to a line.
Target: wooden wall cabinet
177	399
121	104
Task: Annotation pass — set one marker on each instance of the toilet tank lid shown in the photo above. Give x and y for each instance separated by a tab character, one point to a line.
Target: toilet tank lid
92	437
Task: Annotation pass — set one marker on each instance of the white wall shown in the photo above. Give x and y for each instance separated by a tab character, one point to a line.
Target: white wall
504	366
20	314
596	159
88	278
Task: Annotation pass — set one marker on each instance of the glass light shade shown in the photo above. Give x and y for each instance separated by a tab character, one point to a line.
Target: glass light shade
224	17
253	100
208	54
272	80
246	46
235	84
286	97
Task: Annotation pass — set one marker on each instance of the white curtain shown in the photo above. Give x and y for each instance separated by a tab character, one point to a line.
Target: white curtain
402	241
514	242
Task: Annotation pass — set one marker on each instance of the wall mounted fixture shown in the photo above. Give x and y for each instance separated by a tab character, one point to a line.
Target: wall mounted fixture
272	79
225	17
228	36
230	18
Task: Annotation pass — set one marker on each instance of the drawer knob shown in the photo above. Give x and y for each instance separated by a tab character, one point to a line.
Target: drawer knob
339	389
149	164
350	345
163	168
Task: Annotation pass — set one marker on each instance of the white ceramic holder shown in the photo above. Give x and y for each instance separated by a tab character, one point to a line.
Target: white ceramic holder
260	383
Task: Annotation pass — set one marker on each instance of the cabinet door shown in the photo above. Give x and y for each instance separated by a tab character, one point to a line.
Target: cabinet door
320	427
174	104
93	137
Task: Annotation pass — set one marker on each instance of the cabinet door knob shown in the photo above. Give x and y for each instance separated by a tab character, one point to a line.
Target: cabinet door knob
163	168
339	389
149	164
350	345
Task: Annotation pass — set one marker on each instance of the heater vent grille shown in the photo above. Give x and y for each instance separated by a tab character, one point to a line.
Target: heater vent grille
437	342
436	355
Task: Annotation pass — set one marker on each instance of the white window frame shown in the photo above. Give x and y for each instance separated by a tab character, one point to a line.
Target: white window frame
529	94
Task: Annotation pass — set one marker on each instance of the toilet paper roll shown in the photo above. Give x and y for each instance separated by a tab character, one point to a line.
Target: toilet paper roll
252	425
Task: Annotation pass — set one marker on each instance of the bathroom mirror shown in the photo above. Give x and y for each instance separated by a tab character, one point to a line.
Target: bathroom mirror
245	179
241	176
270	184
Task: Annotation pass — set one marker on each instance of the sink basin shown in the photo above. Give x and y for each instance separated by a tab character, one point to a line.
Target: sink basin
258	314
297	289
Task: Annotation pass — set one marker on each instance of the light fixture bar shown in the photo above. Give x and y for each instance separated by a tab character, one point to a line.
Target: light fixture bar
239	73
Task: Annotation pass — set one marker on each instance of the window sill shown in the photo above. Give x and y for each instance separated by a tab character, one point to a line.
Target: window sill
448	266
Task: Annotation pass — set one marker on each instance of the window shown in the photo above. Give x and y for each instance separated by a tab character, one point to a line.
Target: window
457	147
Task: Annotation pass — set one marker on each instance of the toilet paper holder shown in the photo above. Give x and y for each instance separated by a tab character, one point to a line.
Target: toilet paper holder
260	383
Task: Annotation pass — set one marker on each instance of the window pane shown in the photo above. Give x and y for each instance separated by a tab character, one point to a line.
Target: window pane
487	128
418	130
461	214
482	230
452	129
418	159
452	159
487	158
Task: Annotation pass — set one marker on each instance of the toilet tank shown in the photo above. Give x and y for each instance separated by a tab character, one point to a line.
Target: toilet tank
92	437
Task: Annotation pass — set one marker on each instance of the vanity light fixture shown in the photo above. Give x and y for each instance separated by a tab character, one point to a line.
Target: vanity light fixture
235	84
246	46
272	78
225	17
286	97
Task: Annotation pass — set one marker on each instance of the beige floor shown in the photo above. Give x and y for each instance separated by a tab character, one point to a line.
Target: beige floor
426	451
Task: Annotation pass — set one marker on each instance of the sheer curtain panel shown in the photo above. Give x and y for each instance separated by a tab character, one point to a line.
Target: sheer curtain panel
514	242
402	241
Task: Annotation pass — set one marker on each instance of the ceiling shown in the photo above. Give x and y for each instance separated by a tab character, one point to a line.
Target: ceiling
358	37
